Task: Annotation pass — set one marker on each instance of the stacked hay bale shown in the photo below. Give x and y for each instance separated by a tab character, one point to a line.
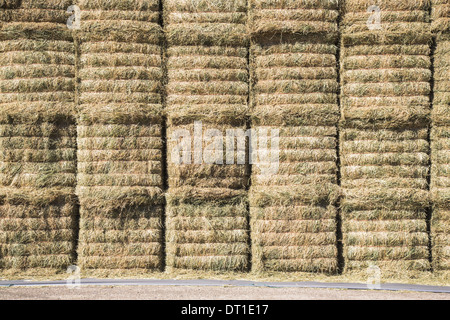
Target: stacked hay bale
384	149
294	90
440	15
120	137
440	139
207	94
37	137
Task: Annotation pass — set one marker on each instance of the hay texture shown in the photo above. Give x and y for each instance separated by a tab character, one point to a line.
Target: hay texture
440	148
440	16
386	76
120	137
207	68
294	90
37	138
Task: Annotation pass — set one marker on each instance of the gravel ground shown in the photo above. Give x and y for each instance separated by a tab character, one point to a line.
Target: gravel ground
206	293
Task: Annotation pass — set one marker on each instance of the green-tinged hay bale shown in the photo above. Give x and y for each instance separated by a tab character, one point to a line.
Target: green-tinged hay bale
114	72
198	161
303	90
126	262
207	229
38	228
307	155
440	158
140	117
395	11
440	229
133	21
377	82
385	197
391	267
220	22
295	236
294	90
207	84
270	18
35	11
440	15
385	237
401	22
9	4
120	31
38	64
38	146
325	194
120	227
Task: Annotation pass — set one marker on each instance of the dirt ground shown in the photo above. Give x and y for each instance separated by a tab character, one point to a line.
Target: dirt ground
206	293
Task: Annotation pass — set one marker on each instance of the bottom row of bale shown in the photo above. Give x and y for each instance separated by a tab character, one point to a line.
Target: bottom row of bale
39	231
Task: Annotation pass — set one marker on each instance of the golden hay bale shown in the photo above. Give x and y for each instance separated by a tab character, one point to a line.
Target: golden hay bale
384	181
37	228
404	20
207	229
202	22
440	15
294	90
37	138
440	159
208	82
35	11
120	228
38	146
268	17
384	144
120	130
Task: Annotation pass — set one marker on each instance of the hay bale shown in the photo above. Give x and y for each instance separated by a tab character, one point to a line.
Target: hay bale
35	11
205	22
294	90
440	16
293	18
38	209
384	181
120	137
207	70
384	146
38	229
207	229
440	134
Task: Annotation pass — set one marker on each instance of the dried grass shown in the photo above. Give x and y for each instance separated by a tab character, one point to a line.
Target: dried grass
294	90
440	159
208	81
289	18
384	148
384	180
119	181
37	138
440	16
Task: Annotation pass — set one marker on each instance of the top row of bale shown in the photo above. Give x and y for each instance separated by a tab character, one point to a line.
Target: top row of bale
226	22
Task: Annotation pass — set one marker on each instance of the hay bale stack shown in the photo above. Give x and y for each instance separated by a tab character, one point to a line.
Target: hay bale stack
120	137
207	215
386	88
37	138
293	212
440	135
440	16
